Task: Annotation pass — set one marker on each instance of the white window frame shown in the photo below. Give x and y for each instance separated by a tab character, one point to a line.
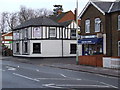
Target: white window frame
97	24
52	36
87	26
118	22
74	30
118	48
38	33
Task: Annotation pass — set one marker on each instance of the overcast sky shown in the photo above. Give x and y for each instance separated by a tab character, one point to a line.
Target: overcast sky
14	5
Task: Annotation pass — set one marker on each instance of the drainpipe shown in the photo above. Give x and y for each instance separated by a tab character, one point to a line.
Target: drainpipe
62	42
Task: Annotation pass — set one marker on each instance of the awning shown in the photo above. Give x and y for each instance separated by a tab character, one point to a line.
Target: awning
90	40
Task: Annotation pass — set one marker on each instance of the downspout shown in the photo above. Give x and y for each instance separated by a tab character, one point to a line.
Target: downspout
62	42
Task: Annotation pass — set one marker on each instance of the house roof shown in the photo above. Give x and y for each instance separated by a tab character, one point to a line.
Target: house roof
40	21
66	23
7	33
103	7
58	17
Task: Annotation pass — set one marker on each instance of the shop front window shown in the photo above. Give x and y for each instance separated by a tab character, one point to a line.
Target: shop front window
93	49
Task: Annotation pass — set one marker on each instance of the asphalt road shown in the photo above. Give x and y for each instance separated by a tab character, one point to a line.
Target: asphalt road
24	75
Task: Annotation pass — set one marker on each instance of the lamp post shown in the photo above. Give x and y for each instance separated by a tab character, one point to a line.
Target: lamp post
77	32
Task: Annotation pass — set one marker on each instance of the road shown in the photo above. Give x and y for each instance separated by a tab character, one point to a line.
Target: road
24	75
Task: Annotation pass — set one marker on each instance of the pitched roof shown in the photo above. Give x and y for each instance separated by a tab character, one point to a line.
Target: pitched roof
40	21
66	23
103	7
116	7
58	17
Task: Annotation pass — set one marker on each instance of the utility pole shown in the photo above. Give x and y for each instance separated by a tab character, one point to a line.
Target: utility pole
77	32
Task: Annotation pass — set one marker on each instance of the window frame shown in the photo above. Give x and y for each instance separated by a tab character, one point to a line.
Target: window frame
52	36
73	29
39	49
40	32
97	23
17	47
119	22
118	48
87	26
25	50
71	51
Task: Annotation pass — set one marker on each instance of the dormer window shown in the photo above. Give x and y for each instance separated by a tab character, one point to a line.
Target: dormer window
118	22
87	26
97	24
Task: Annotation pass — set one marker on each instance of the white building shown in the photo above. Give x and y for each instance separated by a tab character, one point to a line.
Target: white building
43	37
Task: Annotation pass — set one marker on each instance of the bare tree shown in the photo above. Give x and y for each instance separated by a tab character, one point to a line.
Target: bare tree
12	20
3	23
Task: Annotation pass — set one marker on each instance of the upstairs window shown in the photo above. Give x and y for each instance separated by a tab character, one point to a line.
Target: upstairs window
73	33
97	24
37	32
87	26
118	22
52	32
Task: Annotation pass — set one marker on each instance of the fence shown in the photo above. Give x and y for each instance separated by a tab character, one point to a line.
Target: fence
92	60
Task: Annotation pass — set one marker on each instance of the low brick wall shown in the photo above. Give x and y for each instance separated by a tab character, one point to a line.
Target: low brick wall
111	62
92	60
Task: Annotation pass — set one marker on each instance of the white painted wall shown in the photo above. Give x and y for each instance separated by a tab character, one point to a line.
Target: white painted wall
110	62
66	47
104	44
49	48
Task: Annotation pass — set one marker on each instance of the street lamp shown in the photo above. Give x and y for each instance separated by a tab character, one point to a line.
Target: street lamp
77	32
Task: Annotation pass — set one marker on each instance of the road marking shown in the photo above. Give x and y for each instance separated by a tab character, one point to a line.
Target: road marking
63	75
2	70
25	77
69	85
10	68
56	79
109	85
51	86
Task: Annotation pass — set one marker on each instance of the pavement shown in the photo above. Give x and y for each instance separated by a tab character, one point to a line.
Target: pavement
66	63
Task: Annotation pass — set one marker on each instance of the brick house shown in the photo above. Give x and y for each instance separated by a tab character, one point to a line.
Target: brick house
100	29
7	40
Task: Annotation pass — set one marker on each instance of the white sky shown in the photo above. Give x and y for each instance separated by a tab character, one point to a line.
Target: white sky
14	5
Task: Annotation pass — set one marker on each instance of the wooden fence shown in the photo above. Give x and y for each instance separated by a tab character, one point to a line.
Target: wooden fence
92	60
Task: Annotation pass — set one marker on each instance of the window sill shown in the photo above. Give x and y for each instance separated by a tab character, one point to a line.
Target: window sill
36	52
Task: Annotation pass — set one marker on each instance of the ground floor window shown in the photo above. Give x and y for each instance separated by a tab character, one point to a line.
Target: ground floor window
17	47
72	48
92	49
118	48
26	47
36	47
